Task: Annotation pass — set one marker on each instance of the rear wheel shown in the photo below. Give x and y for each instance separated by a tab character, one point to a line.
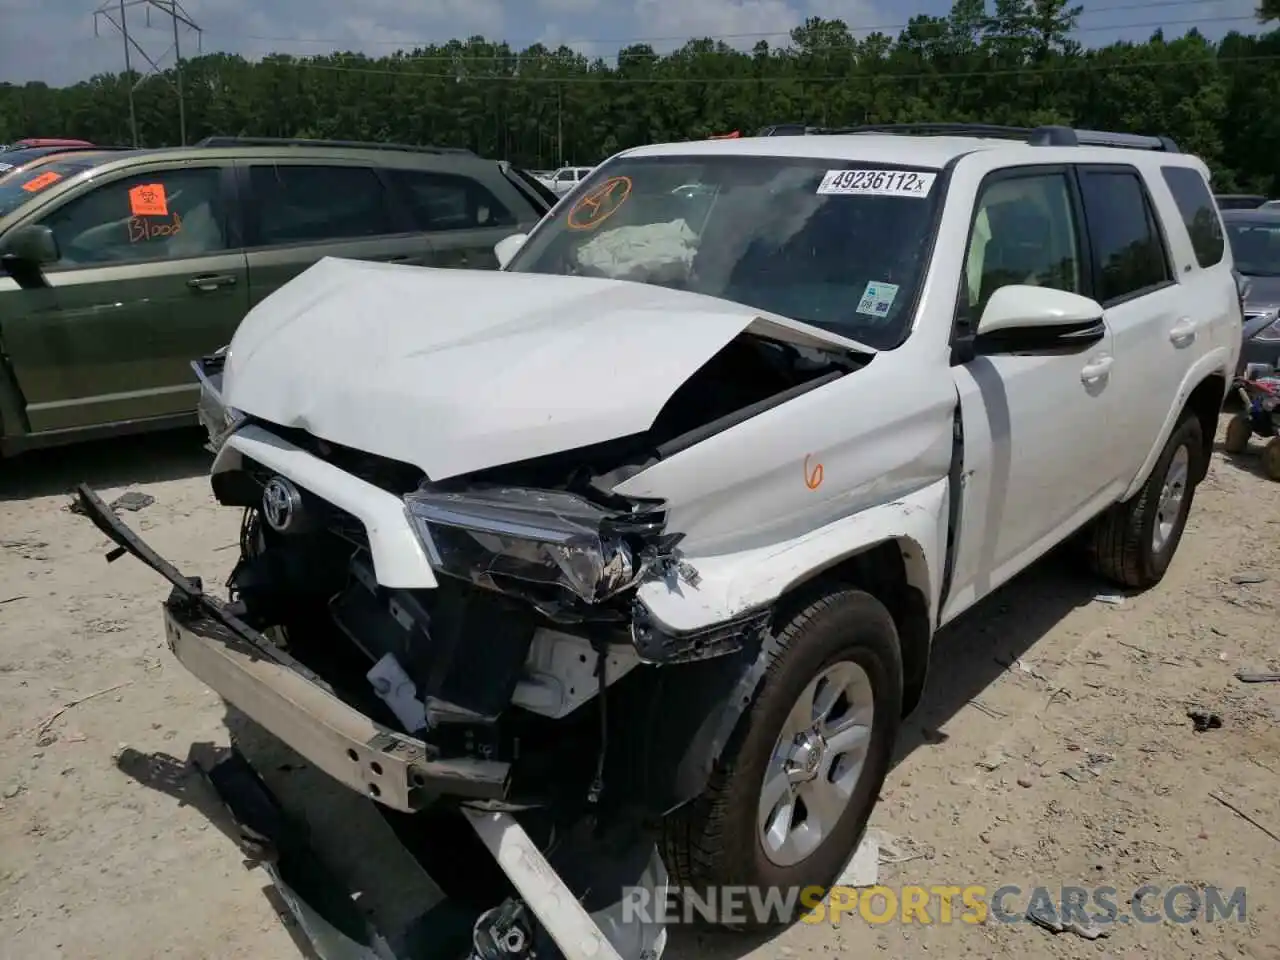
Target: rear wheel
789	800
1238	433
1134	541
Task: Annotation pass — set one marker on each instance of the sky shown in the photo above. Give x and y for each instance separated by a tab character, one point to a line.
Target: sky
54	41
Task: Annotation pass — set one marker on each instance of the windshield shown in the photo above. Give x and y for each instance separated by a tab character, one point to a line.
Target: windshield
1255	247
17	188
843	249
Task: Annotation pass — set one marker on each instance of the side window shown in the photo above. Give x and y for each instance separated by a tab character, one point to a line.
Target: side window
158	215
566	176
311	204
440	201
1024	232
1128	252
1199	213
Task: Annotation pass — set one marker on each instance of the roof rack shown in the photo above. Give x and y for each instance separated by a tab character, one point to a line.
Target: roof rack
1044	136
332	144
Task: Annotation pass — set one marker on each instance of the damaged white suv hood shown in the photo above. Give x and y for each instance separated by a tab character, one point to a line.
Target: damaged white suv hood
459	370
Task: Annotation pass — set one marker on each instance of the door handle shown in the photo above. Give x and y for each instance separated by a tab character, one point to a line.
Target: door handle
1183	332
1096	369
211	282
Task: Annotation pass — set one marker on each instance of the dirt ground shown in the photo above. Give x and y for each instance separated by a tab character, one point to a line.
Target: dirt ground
1053	748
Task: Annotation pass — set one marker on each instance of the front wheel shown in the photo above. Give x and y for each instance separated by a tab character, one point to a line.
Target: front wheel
1134	542
790	798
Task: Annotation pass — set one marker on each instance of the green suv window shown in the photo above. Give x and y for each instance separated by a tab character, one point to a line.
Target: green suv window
311	204
156	215
441	201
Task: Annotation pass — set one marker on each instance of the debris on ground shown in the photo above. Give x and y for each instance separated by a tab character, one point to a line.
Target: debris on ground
1029	670
1044	915
1244	816
133	501
42	730
992	760
1114	599
1256	676
1204	720
863	868
1244	579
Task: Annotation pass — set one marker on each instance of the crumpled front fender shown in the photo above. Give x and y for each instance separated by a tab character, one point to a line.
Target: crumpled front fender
691	720
730	585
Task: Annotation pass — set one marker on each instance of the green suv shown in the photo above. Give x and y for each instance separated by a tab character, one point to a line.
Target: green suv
120	268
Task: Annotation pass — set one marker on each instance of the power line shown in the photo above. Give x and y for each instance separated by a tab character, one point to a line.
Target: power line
115	12
764	35
1180	63
630	57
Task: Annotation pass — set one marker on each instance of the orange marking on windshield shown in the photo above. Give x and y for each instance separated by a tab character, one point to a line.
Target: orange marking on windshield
43	180
812	478
598	205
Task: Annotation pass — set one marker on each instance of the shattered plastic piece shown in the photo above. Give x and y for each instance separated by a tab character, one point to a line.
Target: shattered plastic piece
863	868
132	501
1029	670
397	691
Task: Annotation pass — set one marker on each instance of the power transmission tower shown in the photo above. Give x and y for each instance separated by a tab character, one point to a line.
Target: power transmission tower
115	12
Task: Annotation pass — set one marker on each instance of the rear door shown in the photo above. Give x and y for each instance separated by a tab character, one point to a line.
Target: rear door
151	275
299	211
1147	308
461	216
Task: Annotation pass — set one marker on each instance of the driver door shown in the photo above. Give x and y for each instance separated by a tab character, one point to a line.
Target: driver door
1037	429
150	277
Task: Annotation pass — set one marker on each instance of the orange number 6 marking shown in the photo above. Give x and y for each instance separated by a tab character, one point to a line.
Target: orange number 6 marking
812	478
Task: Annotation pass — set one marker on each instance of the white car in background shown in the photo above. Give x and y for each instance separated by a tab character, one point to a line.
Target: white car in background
566	178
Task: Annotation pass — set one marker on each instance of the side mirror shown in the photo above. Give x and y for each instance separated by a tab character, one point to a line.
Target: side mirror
506	248
25	251
1026	319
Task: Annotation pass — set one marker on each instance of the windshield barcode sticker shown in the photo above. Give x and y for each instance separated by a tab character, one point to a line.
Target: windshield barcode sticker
876	183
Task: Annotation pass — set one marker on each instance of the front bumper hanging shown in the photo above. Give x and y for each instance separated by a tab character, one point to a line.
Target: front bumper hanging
396	770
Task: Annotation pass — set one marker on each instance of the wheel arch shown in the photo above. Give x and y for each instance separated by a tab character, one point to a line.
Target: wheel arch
896	572
1203	392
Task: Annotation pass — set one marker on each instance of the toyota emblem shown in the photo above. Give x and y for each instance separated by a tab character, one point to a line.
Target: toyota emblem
281	504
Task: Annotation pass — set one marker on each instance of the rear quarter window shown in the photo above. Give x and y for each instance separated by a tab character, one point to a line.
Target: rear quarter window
1199	213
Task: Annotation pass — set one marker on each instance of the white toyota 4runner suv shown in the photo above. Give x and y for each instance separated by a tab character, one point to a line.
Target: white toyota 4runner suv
653	529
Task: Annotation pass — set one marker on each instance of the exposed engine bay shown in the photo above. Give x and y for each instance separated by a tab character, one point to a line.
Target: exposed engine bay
535	614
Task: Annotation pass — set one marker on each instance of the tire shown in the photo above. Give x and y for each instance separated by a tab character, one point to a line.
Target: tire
1271	458
1125	547
716	839
1238	433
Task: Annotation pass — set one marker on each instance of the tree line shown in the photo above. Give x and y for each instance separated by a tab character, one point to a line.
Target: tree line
1016	63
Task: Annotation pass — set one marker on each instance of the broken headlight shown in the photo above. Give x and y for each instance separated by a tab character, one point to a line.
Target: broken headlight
544	541
218	419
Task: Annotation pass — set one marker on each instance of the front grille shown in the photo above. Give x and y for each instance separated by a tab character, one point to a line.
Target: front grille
329	517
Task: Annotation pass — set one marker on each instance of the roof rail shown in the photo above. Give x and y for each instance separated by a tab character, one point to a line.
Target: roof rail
338	144
1043	136
786	130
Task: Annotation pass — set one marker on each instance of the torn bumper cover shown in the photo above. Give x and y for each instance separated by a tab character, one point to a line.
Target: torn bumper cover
291	702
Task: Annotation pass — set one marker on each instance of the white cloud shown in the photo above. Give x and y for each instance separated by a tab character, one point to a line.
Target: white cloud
569	6
740	22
